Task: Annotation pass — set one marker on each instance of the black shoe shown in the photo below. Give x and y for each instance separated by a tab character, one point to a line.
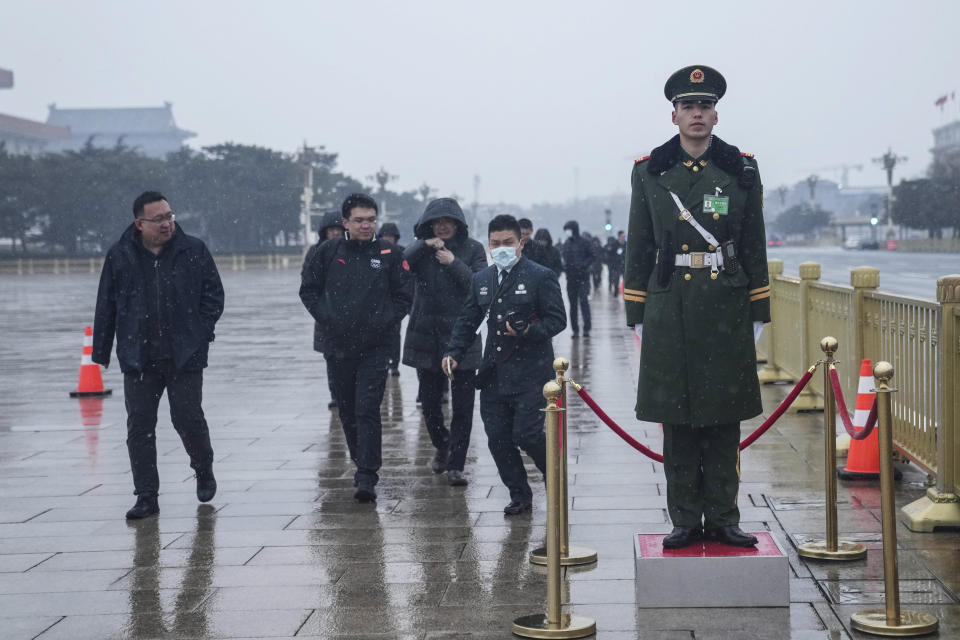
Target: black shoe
365	493
456	478
395	372
516	507
575	335
586	334
146	506
332	404
682	537
206	484
439	462
732	534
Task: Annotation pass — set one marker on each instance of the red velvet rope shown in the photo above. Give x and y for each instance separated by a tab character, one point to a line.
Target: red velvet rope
743	445
856	434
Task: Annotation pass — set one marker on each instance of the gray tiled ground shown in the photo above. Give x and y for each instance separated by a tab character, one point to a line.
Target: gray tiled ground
283	551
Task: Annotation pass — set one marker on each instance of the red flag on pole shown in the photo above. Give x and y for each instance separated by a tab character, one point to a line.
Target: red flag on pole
942	100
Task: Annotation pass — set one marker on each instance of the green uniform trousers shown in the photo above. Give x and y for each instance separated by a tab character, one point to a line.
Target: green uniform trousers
702	469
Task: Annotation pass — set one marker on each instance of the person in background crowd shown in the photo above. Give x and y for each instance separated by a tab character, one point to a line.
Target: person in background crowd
531	249
160	294
551	255
596	267
577	260
357	287
391	233
443	260
331	226
613	256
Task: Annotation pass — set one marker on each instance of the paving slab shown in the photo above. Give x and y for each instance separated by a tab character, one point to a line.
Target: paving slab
283	551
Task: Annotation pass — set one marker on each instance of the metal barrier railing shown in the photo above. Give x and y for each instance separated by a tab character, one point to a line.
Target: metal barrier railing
920	338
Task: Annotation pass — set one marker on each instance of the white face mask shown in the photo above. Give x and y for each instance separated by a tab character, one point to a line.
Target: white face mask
569	233
504	257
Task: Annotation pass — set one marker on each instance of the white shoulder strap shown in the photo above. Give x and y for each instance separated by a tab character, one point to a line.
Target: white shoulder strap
686	215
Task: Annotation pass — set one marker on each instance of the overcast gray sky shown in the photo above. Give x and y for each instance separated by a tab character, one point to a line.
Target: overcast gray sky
524	94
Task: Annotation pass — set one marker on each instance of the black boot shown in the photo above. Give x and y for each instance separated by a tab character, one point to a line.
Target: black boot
732	534
682	537
206	484
146	506
439	462
365	493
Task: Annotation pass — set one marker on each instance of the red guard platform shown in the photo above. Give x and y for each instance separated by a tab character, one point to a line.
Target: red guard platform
710	574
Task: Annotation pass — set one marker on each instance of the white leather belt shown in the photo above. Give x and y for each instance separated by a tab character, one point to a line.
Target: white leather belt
698	260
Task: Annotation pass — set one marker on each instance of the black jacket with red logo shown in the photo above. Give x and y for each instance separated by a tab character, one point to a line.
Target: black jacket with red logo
358	292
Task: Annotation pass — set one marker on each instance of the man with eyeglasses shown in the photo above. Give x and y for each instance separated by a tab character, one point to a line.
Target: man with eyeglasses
357	288
160	295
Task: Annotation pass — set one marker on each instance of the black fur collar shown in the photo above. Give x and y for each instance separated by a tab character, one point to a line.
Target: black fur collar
725	156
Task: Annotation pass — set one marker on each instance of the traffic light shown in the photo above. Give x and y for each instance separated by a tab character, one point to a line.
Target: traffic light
608	226
874	220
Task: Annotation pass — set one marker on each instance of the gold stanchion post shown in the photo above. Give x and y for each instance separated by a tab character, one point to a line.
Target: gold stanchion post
569	556
555	624
892	621
830	548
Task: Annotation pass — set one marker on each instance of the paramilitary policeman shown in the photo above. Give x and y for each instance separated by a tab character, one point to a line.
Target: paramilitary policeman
520	302
697	292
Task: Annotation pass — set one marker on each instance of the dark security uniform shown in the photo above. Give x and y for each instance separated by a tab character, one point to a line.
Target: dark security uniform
514	369
359	292
698	364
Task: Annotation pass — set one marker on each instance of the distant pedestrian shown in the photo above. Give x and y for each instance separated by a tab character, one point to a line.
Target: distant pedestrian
520	303
391	233
614	254
551	255
160	295
531	249
356	286
577	262
443	260
331	226
596	267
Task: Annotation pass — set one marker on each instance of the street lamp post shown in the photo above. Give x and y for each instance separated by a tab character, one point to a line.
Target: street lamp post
889	160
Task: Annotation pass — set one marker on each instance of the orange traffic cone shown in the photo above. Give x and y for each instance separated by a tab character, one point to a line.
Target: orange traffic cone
863	459
90	383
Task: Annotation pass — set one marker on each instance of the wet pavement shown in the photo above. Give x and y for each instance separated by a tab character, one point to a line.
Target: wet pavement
283	551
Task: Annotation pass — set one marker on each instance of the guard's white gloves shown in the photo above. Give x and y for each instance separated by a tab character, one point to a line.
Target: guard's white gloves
638	329
757	330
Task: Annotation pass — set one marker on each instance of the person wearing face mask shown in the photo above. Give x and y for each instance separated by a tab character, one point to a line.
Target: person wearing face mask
519	303
443	260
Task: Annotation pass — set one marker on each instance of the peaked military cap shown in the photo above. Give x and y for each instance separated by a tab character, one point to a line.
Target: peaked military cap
697	82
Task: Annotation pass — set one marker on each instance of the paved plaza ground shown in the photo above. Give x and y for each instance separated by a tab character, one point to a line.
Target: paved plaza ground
283	550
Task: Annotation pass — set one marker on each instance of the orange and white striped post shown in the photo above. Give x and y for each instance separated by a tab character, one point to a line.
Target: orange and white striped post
90	383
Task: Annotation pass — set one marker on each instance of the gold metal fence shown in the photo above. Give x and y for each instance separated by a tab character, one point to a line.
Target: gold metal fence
920	338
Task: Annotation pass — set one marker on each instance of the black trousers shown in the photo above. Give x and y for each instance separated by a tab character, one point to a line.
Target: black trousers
514	422
578	293
613	275
330	387
142	392
701	465
358	384
455	440
394	357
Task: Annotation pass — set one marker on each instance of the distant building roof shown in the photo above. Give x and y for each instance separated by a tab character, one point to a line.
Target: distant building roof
119	121
31	129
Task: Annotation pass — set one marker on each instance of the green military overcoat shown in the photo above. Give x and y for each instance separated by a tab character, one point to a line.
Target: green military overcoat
698	361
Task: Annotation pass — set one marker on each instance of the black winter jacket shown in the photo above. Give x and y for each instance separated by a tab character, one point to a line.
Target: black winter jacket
357	291
440	289
192	293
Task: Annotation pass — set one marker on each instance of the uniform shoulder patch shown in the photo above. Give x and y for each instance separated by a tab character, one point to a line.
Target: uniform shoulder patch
746	155
639	160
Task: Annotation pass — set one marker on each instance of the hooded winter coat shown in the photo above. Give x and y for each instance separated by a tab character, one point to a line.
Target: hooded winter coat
577	253
440	289
332	218
188	282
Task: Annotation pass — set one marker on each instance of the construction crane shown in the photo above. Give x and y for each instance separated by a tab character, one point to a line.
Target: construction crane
844	170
